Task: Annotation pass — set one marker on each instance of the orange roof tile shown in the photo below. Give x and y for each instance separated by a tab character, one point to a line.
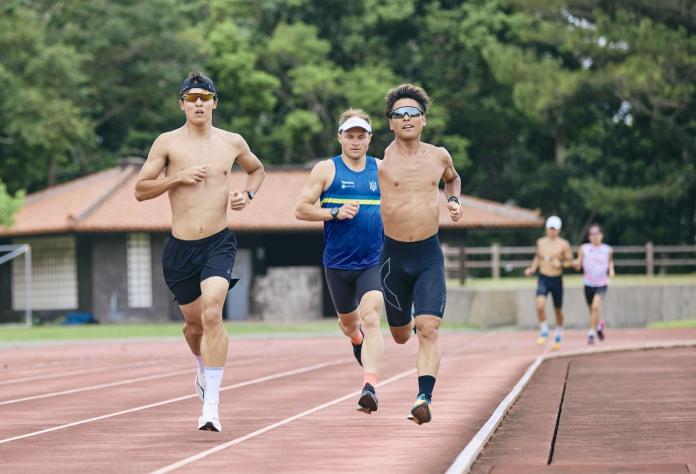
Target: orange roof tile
104	202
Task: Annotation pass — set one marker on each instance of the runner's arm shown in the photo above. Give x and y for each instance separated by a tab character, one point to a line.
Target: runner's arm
453	187
252	166
453	184
612	273
307	208
532	269
567	256
149	185
577	263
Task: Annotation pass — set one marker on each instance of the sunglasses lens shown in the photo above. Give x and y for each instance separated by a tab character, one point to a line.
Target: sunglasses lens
195	97
400	112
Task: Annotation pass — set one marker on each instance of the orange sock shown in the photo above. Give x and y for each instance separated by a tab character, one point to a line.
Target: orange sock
357	339
371	378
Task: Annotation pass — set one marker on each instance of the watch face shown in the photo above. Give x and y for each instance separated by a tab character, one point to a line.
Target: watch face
251	195
334	211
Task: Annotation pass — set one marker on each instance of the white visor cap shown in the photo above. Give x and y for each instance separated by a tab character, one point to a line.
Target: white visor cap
554	222
355	122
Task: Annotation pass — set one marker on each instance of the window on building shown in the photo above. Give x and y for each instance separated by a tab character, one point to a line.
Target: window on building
54	274
139	271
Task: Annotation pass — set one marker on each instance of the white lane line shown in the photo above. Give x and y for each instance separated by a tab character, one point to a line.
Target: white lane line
462	464
136	364
84	371
266	378
97	387
272	426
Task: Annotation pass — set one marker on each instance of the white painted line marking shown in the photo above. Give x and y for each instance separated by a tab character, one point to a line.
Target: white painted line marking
462	464
96	387
84	371
178	399
272	426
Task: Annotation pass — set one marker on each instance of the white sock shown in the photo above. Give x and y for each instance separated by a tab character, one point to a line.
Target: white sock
213	380
544	327
591	332
559	332
199	363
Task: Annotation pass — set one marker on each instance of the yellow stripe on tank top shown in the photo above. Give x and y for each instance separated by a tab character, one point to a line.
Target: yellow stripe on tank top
374	202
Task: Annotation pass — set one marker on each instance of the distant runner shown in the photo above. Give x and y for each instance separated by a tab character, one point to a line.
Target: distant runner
597	262
553	254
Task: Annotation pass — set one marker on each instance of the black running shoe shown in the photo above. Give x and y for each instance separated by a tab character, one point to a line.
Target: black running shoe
357	350
368	399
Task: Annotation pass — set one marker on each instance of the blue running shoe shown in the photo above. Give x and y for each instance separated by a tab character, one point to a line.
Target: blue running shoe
421	412
541	340
556	343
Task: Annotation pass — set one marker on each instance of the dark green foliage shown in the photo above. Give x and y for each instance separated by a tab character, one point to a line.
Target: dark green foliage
583	108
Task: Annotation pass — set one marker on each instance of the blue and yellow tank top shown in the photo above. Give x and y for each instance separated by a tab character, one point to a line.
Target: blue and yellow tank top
353	244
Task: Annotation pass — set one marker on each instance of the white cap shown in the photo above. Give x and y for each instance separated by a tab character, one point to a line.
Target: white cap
554	222
353	122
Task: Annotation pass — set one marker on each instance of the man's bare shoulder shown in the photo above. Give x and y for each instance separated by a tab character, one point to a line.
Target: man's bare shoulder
323	167
541	241
167	137
439	152
565	242
234	139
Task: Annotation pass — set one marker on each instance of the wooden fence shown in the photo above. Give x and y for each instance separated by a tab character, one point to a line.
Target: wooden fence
459	260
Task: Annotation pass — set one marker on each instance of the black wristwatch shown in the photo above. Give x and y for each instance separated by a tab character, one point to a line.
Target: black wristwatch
334	213
454	199
250	194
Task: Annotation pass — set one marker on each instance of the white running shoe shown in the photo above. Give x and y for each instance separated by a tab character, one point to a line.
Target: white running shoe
209	420
199	383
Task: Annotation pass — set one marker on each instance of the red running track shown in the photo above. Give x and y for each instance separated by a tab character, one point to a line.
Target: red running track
287	405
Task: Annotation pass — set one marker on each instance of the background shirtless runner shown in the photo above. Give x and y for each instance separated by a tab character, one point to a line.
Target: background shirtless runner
553	253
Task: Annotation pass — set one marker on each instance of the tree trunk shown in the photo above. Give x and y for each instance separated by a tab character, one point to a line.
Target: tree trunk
560	149
52	172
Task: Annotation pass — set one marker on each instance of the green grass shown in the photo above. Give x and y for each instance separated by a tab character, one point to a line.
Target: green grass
678	324
575	281
116	331
52	332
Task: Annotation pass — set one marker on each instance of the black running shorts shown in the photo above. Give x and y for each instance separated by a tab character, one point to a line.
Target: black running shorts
413	273
591	291
186	263
553	285
347	287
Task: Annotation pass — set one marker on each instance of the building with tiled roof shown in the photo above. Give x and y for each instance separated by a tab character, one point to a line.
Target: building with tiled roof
97	249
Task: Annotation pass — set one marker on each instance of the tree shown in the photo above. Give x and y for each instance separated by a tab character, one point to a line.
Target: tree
9	205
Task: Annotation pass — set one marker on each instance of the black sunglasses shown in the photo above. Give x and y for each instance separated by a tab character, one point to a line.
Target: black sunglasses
400	112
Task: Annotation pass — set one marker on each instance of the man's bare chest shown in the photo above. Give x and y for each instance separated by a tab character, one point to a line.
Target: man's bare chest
410	175
551	249
218	158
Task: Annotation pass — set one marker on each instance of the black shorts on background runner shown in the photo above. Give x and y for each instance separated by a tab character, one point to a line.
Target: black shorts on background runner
412	273
553	285
186	263
347	287
590	291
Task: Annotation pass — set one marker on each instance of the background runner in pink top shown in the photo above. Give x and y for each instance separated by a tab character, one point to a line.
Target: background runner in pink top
595	264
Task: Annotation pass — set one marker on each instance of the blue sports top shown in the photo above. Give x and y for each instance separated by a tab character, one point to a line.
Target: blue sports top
353	244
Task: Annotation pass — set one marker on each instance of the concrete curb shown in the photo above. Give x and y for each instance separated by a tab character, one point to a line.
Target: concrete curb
465	460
